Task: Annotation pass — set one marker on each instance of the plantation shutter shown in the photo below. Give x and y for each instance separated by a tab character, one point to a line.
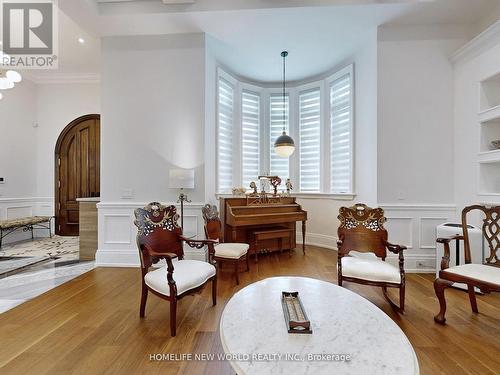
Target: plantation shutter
225	136
250	124
310	143
279	166
340	134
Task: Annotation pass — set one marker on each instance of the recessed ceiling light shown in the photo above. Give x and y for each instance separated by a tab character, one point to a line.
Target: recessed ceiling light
81	40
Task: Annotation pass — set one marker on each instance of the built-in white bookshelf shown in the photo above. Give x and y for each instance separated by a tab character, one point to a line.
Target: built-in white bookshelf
490	93
489	122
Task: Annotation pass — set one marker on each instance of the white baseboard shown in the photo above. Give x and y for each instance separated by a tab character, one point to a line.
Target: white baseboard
320	240
117	258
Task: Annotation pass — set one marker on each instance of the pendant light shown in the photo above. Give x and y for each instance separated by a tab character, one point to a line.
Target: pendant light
284	145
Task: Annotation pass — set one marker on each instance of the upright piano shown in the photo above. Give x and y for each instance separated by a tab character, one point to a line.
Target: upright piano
265	226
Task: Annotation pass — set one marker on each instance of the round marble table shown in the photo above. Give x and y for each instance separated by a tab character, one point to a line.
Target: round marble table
256	341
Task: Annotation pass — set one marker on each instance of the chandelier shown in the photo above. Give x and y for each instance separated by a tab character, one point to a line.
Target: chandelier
8	77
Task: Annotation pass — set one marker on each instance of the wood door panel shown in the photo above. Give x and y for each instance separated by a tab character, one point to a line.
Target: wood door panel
77	170
72	216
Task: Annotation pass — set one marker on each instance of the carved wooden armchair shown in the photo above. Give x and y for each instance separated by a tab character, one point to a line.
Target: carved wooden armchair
160	237
486	276
362	249
232	253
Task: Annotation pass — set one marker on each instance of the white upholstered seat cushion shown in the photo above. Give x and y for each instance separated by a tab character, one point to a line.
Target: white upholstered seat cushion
370	268
231	250
362	255
480	272
188	274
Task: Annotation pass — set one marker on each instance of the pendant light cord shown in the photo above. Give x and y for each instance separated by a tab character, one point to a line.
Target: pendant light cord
284	54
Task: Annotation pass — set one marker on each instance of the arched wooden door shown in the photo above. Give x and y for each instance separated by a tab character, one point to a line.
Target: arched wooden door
77	170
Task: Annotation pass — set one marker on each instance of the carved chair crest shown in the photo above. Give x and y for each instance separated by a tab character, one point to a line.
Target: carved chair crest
361	214
212	222
210	212
154	216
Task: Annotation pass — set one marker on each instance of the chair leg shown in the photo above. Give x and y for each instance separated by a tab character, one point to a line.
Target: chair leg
236	263
339	279
248	265
402	298
472	298
439	286
144	297
214	290
173	317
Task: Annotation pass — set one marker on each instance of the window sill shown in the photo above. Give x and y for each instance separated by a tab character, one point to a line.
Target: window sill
331	196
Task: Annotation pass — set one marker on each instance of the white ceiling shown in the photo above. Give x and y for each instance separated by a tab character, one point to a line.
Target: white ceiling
250	34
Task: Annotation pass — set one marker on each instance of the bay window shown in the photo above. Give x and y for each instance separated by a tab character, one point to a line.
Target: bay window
318	116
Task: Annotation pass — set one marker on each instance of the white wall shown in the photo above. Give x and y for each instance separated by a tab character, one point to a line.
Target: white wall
415	118
58	105
18	141
415	135
152	114
153	119
18	154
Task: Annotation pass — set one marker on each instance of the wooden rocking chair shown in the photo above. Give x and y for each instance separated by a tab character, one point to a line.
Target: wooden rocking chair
362	249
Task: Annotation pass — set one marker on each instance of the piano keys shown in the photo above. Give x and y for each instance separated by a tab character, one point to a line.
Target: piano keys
265	226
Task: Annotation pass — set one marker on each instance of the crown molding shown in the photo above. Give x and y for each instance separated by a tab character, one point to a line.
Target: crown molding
59	78
479	44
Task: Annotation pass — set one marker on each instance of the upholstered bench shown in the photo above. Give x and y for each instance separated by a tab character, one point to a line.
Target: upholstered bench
26	223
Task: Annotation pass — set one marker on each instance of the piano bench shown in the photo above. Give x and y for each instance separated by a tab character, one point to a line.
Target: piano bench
272	233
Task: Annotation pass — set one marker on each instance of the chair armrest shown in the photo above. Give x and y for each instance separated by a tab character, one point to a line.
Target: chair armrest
445	261
393	248
397	249
198	244
444	240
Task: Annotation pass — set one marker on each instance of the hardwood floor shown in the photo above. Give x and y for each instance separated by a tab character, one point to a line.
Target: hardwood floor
91	324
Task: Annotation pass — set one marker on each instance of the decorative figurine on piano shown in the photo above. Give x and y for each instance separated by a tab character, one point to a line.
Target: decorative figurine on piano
289	186
265	196
239	191
275	182
253	186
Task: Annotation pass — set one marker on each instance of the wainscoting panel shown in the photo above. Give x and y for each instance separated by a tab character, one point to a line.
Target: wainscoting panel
117	229
415	227
14	212
428	231
12	208
117	233
400	230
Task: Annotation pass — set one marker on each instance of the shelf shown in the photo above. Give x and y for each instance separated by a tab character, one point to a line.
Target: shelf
490	93
492	156
489	178
490	114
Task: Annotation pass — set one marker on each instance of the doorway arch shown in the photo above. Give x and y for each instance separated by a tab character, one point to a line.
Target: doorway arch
77	170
